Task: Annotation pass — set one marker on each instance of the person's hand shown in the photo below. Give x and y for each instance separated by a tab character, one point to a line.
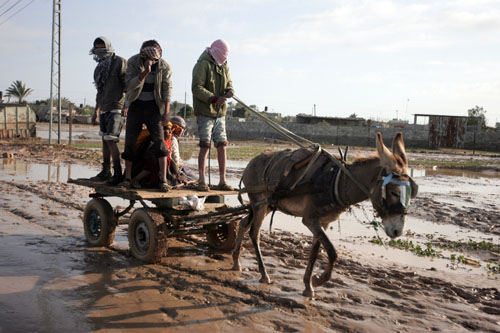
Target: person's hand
229	93
124	112
219	100
94	119
147	65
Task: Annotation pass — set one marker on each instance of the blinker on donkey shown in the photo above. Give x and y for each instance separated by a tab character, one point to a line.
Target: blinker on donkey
312	184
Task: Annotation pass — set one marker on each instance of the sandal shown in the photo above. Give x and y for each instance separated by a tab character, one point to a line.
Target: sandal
225	187
163	186
203	187
127	183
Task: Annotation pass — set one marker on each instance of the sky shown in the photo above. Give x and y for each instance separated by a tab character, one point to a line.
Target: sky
378	59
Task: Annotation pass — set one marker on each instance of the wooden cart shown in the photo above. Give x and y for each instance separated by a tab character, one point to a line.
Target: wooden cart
149	227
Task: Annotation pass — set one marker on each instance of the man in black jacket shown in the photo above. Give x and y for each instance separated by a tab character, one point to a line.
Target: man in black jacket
109	79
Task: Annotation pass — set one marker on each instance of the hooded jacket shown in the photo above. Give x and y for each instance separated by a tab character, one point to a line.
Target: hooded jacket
209	80
163	82
112	95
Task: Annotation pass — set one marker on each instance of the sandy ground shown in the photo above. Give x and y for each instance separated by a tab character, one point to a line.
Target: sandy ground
50	281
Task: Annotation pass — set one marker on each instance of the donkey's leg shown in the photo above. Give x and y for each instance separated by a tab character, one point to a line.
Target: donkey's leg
313	255
315	227
260	213
245	224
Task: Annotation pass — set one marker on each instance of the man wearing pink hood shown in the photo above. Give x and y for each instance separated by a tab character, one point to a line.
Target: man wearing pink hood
211	86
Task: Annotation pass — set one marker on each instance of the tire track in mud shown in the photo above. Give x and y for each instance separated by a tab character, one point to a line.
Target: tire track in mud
44	195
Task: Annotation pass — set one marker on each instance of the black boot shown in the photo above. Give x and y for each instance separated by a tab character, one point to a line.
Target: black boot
104	175
117	176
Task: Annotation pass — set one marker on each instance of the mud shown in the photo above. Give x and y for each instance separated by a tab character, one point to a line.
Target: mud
51	281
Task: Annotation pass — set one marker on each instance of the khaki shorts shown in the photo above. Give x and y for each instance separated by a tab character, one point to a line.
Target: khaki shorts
212	129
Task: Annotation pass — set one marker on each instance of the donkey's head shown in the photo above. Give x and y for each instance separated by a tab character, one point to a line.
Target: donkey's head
393	189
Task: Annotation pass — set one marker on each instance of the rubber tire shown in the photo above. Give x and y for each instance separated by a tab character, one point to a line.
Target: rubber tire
108	222
148	225
223	237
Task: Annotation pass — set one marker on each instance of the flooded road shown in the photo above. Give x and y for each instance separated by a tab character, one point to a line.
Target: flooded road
51	281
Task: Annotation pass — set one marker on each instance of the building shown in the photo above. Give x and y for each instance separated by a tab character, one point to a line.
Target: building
302	118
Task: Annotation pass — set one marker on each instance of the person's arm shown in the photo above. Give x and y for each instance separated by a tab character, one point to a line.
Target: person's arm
166	114
176	156
229	91
122	76
198	82
95	116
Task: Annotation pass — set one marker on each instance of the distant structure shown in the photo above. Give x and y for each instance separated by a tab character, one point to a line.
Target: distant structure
302	118
448	131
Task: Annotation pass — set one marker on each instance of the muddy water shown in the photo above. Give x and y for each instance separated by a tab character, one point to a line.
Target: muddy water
352	230
58	284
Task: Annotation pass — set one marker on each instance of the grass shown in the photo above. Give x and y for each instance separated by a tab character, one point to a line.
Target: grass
493	267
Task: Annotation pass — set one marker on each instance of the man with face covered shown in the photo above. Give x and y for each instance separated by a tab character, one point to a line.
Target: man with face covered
109	79
211	87
149	89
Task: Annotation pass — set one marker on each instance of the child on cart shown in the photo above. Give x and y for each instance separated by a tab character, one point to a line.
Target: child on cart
178	126
145	167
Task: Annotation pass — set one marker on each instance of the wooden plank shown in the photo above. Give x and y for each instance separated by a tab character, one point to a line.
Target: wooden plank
145	194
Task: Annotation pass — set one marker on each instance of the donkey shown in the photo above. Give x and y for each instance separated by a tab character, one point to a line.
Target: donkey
320	193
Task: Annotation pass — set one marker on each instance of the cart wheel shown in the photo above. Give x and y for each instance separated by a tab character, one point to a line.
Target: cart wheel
223	236
147	235
99	223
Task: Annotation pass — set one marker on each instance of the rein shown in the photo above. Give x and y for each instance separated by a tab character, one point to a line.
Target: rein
300	141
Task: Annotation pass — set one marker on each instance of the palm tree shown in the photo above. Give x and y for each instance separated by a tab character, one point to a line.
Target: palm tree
18	89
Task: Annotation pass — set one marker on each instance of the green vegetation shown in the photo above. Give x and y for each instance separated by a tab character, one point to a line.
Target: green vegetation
428	250
18	89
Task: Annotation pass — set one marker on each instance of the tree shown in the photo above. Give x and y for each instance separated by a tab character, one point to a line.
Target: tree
477	112
18	89
353	116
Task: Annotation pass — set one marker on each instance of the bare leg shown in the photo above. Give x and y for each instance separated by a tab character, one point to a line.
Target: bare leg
114	151
162	162
221	158
202	163
106	156
128	169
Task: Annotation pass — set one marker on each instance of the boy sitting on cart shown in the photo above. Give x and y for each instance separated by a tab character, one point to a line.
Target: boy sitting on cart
145	167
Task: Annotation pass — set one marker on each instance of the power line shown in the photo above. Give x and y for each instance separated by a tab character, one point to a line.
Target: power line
18	1
8	18
6	2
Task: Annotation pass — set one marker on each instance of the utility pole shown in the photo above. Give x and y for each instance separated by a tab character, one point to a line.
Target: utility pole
56	50
185	97
406	111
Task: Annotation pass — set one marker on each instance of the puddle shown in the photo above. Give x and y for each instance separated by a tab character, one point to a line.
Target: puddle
453	173
351	231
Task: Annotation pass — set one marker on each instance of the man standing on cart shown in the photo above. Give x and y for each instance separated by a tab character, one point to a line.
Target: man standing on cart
211	86
109	79
149	88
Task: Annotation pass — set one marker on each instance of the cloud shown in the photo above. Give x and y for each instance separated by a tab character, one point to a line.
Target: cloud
380	26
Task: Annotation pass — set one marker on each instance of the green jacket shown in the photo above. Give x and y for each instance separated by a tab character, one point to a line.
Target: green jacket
163	82
209	80
112	96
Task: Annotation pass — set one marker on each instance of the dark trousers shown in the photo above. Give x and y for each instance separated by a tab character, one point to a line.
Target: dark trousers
140	113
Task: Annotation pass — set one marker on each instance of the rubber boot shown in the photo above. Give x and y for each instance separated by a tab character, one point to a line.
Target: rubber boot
117	176
104	175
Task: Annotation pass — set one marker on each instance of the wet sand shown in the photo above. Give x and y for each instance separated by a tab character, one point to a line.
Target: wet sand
51	281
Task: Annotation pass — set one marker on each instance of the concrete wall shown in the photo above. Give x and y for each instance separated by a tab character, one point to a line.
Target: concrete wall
349	135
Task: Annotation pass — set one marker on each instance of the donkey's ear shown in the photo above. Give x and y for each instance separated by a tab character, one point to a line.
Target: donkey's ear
386	158
398	147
